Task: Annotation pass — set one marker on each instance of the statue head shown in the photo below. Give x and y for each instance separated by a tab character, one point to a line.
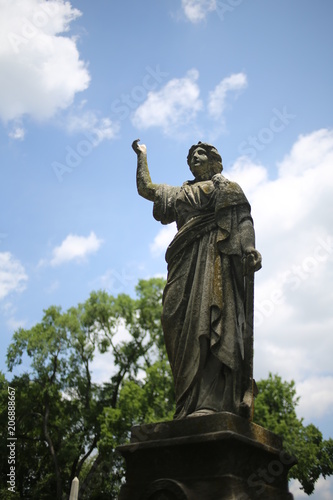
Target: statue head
214	163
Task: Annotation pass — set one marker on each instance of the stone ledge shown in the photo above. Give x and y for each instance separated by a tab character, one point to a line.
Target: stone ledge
202	428
212	457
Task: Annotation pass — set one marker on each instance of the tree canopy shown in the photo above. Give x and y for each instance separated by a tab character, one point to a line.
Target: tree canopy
68	425
275	409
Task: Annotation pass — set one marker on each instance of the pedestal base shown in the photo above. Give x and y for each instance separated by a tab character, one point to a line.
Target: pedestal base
213	457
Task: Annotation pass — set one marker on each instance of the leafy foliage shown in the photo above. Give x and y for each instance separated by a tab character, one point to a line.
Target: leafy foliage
275	409
67	425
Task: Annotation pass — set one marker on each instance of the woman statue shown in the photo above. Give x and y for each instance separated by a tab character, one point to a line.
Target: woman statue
204	301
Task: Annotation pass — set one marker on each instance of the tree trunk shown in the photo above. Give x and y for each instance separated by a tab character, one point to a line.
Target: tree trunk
52	450
90	475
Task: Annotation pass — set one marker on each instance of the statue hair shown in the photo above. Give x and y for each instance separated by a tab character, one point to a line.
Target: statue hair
212	154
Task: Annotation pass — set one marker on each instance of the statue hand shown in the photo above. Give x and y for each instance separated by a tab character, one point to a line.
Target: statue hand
139	148
251	260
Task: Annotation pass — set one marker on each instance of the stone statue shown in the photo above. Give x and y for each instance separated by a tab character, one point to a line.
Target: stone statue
208	299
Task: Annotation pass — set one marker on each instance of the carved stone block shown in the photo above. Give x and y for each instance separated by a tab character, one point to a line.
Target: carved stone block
215	457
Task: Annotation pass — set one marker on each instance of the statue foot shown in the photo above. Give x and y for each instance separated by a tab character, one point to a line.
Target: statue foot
200	413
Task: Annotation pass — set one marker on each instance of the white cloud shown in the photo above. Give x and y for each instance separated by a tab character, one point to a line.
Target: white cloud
75	248
301	190
8	308
9	311
12	275
176	104
117	281
316	396
17	132
305	154
294	296
251	174
95	128
197	10
323	490
14	324
162	240
102	367
42	67
175	107
217	97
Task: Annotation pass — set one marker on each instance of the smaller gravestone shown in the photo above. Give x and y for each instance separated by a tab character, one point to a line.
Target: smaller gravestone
74	494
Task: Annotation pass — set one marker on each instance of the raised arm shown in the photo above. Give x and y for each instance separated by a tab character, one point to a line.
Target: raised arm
146	188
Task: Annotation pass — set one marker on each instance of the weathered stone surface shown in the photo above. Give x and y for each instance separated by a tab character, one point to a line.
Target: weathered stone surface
214	457
208	330
208	299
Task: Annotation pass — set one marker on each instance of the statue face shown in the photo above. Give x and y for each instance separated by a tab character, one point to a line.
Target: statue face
200	164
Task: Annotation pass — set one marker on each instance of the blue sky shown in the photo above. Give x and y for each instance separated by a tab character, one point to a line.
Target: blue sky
80	80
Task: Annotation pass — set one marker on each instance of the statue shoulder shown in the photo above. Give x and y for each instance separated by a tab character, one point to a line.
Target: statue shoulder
230	192
220	181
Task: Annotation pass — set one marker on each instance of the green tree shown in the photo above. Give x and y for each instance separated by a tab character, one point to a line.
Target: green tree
67	425
275	409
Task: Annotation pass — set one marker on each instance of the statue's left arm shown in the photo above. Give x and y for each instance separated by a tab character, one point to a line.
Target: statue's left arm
231	196
252	257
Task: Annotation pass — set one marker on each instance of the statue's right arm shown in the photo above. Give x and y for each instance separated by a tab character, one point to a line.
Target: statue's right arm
146	188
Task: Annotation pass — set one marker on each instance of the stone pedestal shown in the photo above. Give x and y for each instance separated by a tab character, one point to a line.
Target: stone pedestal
213	457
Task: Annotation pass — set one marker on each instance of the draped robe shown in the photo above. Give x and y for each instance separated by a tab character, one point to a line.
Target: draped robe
203	302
